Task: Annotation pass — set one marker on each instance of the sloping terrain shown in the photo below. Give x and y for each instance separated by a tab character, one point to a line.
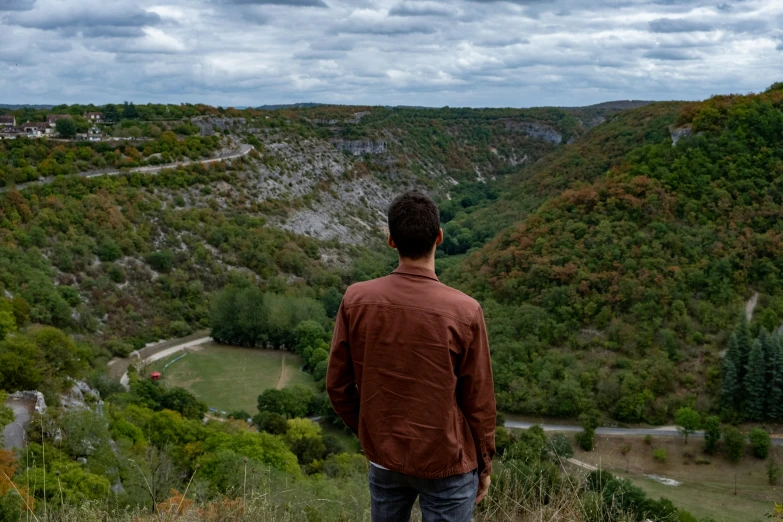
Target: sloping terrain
619	291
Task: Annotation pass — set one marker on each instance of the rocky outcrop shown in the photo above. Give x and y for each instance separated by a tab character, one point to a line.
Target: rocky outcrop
31	396
208	125
535	130
80	397
678	133
361	147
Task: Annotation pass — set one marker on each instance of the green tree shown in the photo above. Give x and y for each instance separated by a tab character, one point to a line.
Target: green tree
760	442
734	443
589	422
271	422
755	383
183	402
712	433
66	128
730	385
688	421
290	402
304	438
6	414
774	407
7	323
331	300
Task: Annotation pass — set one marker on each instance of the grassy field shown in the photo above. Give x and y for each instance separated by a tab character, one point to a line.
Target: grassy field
230	378
705	490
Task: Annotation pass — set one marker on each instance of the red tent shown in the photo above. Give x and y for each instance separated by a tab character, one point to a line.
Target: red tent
155	376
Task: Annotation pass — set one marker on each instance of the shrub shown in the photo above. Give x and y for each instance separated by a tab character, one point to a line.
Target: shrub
116	273
108	250
648	439
773	472
560	446
161	261
586	439
734	442
119	348
625	449
760	441
702	461
660	454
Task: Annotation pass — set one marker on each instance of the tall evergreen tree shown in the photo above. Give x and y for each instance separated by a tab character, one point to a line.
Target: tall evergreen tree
743	339
775	379
730	388
755	383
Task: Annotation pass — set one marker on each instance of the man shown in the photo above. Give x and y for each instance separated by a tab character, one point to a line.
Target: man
410	373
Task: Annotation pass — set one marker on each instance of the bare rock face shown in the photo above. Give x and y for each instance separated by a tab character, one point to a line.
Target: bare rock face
678	133
79	396
535	130
209	125
361	147
35	397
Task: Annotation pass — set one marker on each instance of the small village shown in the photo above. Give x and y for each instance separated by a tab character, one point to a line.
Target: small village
11	129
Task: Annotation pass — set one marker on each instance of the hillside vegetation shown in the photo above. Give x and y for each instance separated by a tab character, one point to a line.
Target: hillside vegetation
618	293
613	253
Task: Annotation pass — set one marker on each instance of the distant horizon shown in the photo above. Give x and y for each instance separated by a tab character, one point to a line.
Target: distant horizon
273	106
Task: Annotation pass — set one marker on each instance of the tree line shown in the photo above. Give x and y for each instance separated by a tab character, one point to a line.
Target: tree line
752	375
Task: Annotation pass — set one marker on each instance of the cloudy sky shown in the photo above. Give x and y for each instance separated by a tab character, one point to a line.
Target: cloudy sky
414	52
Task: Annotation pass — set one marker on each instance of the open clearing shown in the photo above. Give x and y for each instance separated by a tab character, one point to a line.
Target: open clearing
706	490
230	378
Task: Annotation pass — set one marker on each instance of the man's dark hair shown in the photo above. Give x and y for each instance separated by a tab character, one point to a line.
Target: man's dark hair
414	223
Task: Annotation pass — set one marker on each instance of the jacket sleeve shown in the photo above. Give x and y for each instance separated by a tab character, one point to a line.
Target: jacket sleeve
476	392
340	378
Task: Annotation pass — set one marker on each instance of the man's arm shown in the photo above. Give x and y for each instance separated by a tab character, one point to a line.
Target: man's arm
476	392
340	379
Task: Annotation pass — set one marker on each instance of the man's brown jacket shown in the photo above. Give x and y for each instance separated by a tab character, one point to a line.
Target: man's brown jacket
410	373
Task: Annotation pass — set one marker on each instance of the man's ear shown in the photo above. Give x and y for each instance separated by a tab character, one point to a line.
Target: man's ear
391	243
440	237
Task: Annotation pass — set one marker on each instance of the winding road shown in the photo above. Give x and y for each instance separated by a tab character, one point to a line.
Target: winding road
244	150
656	432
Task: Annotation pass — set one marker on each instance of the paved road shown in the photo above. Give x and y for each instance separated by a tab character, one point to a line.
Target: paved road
655	432
244	150
13	434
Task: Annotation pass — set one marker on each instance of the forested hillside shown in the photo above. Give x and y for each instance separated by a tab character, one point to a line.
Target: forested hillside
618	292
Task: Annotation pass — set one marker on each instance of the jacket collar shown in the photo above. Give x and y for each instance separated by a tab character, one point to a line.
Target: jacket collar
415	271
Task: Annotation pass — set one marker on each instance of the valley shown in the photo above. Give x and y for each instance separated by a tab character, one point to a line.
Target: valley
615	250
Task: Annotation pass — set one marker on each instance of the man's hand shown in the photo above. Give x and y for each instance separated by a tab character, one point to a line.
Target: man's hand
484	483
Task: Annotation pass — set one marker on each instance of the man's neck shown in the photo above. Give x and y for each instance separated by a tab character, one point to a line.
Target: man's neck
427	263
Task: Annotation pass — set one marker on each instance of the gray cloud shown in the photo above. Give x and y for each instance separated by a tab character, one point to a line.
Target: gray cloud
117	19
669	54
408	52
408	8
294	3
385	27
678	25
16	5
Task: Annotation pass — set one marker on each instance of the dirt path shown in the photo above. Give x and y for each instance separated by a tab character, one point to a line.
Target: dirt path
750	306
285	375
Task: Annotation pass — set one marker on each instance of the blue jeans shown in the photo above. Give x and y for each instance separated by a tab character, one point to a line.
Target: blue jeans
449	499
